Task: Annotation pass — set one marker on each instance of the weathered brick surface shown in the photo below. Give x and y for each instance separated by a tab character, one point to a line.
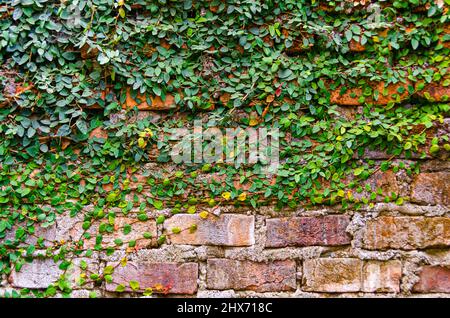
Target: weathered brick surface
98	132
174	278
38	274
227	230
431	188
307	231
332	275
247	275
156	102
435	93
73	230
390	93
386	181
138	228
433	279
43	272
406	233
382	276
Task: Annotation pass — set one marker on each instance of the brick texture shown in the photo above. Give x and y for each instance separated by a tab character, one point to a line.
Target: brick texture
43	272
226	230
332	275
379	276
175	278
247	275
431	188
38	274
307	231
406	233
433	279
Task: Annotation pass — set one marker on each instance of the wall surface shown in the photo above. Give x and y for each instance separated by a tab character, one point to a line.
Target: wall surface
97	225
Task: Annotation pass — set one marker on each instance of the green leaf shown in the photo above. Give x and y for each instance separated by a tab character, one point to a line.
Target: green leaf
81	124
160	219
358	171
120	288
285	73
134	285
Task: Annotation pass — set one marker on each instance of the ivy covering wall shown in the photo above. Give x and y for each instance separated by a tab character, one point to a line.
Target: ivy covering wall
91	88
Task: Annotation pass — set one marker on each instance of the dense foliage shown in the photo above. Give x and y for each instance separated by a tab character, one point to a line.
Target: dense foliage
69	67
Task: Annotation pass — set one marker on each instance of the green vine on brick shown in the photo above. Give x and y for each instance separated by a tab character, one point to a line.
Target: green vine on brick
71	67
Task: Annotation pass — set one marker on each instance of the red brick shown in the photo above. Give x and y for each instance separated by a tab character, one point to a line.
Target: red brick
356	46
226	230
332	275
431	188
98	132
435	93
307	231
352	95
176	278
406	233
386	181
433	279
156	102
246	275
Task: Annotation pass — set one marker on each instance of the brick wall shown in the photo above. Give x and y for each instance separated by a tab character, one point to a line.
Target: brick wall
379	250
385	250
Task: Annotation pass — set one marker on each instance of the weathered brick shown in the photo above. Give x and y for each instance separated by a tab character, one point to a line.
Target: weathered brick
386	181
406	233
387	94
246	275
140	101
226	230
435	92
41	273
307	231
138	228
379	276
48	234
98	132
173	277
332	275
355	46
433	279
431	188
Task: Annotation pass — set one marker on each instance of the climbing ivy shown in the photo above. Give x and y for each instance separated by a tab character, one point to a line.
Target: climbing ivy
70	68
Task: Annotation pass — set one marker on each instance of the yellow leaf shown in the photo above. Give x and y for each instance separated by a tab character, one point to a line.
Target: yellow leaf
253	121
226	195
122	13
141	143
203	214
159	287
242	196
123	262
